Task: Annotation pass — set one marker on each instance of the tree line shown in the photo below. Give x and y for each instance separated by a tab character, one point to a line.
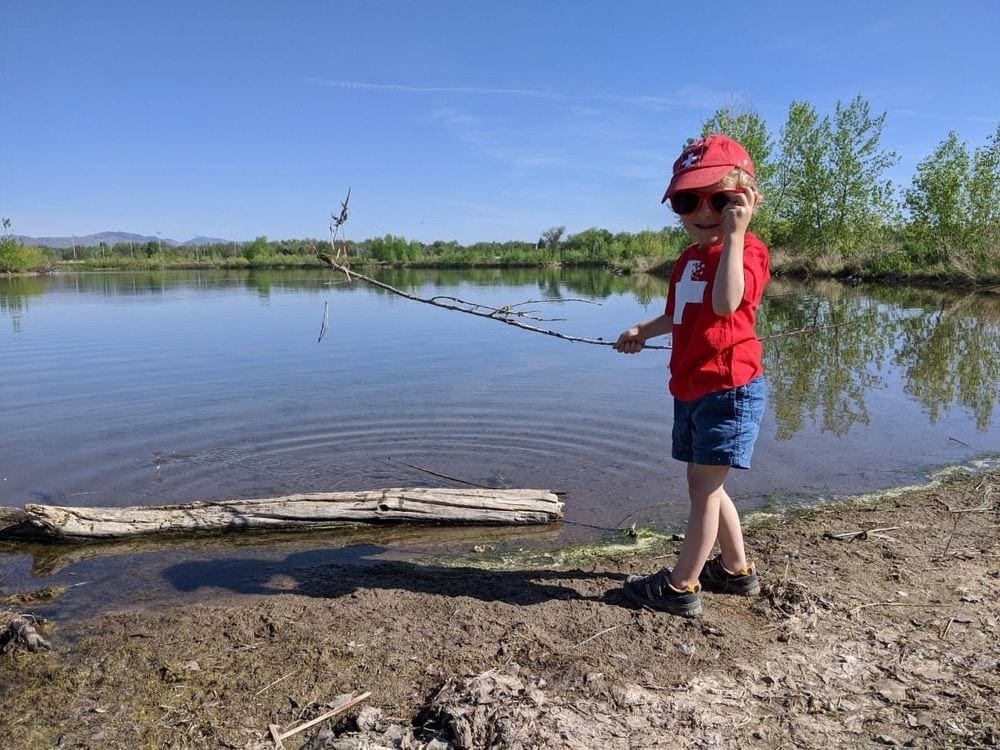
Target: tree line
828	209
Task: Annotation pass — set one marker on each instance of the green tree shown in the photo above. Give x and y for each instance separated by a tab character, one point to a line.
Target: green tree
935	199
589	245
862	206
550	240
983	193
255	249
952	202
18	258
389	249
831	196
802	180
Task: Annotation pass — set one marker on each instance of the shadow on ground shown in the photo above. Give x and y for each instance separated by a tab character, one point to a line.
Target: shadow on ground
520	587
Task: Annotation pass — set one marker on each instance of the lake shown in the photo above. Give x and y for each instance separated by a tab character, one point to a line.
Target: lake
165	387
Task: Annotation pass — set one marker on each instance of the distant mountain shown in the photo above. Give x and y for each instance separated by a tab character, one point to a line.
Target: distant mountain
199	240
111	238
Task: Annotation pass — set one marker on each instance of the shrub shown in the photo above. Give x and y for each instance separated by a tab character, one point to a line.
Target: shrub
18	258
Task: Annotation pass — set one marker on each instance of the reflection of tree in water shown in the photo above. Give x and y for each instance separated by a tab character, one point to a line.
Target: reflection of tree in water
824	375
947	348
14	295
952	355
552	283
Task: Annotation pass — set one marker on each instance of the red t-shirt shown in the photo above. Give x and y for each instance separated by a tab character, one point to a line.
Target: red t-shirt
712	353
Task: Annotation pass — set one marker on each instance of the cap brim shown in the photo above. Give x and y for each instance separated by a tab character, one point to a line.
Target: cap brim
694	179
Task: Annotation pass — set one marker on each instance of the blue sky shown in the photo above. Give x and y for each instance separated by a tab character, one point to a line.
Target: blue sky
448	120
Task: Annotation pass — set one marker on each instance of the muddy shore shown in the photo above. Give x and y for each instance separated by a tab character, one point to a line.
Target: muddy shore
879	624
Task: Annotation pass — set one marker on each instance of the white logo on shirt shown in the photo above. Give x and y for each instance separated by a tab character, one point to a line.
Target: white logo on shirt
687	290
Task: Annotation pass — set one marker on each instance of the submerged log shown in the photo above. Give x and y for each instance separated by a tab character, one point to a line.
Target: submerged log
48	559
303	511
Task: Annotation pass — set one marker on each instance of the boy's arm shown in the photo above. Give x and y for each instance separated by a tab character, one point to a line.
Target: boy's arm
632	340
730	283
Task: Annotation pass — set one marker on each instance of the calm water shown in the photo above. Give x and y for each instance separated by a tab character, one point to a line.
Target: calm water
156	388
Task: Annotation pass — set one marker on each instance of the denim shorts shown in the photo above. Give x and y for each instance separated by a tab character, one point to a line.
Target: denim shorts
719	429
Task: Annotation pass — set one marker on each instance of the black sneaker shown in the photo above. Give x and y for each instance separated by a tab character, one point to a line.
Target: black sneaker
714	577
656	592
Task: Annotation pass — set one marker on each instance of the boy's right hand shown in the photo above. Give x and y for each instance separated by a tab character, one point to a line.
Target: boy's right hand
630	342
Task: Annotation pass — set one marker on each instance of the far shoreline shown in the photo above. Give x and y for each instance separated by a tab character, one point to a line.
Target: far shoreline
657	267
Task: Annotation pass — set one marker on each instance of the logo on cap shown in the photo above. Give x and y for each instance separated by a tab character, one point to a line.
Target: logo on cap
690	158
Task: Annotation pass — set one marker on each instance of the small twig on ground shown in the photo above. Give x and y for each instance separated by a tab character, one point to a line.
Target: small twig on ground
951	537
602	632
891	604
981	509
271	685
852	535
947	626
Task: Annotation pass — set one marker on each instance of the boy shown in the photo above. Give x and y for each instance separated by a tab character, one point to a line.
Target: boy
716	375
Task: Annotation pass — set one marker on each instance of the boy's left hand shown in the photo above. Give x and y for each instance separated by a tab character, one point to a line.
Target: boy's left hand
737	213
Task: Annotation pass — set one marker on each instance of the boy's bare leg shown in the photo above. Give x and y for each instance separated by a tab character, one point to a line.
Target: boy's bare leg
712	516
734	556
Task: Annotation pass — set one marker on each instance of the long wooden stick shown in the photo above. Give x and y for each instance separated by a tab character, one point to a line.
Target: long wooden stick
501	315
504	314
332	712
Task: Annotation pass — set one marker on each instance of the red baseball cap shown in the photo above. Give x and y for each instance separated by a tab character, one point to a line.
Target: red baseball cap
706	161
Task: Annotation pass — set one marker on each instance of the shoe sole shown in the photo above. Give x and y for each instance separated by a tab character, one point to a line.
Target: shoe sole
752	589
681	609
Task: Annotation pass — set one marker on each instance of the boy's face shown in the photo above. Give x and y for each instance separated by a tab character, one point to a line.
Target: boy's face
705	225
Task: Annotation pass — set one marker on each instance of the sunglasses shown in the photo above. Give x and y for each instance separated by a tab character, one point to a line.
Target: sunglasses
687	201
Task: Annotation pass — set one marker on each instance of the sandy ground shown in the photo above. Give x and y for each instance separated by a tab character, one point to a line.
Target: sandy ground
879	624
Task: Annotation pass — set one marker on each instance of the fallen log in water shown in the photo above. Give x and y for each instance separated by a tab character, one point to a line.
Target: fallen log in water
304	511
48	559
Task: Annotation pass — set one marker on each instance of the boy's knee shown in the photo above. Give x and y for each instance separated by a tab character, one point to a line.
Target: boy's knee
705	481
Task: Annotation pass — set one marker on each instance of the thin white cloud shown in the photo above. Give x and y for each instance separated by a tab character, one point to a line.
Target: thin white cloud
493	140
687	97
401	89
942	116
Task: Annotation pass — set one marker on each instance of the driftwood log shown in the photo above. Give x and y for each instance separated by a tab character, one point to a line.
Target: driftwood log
304	511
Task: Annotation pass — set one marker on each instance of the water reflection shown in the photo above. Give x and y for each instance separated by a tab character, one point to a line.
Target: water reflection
950	352
946	347
822	377
15	293
943	346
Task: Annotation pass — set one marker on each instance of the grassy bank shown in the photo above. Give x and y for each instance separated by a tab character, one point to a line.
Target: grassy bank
649	252
783	263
